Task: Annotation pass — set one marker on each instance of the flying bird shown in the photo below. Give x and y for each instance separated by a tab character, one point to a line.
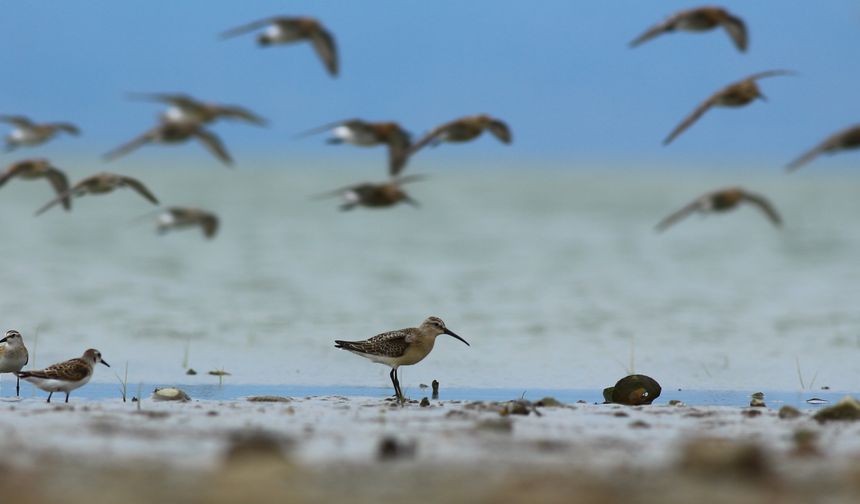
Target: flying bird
29	133
403	347
464	129
369	134
184	108
65	376
32	169
285	30
175	132
736	94
101	183
843	140
723	200
181	218
700	19
375	195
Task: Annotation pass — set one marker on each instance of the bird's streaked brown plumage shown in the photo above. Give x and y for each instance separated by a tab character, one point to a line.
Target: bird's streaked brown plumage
698	20
846	139
368	134
720	201
30	133
464	129
175	132
99	184
33	169
188	109
736	94
375	195
65	376
284	30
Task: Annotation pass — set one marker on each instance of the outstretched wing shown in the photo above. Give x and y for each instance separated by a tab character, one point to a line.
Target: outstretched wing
214	145
67	127
765	206
209	223
500	130
60	184
327	127
249	27
13	171
139	188
234	112
398	155
136	143
693	117
17	120
76	190
326	49
737	31
769	73
431	136
831	143
679	214
657	29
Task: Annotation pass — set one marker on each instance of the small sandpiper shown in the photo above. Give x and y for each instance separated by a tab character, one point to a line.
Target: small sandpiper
400	348
736	94
185	108
375	195
13	356
32	169
175	132
370	134
65	376
843	140
284	30
29	133
699	20
181	217
720	201
101	183
464	129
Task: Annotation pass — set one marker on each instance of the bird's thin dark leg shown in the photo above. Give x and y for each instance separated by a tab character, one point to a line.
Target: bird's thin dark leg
393	377
49	396
67	397
17	386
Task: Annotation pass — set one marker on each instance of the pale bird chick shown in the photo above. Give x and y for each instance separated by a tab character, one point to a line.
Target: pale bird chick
183	218
285	30
13	356
65	376
723	200
29	133
370	134
34	169
101	183
700	19
173	133
403	347
184	108
736	94
464	129
843	140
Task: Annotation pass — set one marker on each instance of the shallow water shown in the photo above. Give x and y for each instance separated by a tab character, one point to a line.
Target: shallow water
555	277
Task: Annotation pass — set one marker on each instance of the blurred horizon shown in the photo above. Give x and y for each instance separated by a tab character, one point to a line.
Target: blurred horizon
560	74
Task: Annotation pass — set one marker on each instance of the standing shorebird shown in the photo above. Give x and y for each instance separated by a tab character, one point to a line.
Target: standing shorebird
400	348
370	134
13	356
99	184
464	129
65	376
736	94
27	132
175	132
180	218
723	200
184	108
284	30
32	169
699	20
843	140
375	195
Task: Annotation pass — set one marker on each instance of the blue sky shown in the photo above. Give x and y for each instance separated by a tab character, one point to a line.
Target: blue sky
558	71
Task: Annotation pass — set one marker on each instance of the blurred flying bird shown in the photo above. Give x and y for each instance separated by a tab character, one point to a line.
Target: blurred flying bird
464	129
180	218
28	133
32	169
375	195
184	108
175	132
736	94
284	30
843	140
720	201
369	134
99	184
698	20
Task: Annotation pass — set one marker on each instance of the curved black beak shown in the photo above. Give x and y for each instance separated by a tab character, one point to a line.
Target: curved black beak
4	340
451	333
105	363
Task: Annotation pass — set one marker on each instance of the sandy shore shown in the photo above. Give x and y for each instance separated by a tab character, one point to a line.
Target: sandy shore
364	449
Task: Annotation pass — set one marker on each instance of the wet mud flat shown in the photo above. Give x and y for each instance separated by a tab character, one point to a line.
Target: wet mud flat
322	449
